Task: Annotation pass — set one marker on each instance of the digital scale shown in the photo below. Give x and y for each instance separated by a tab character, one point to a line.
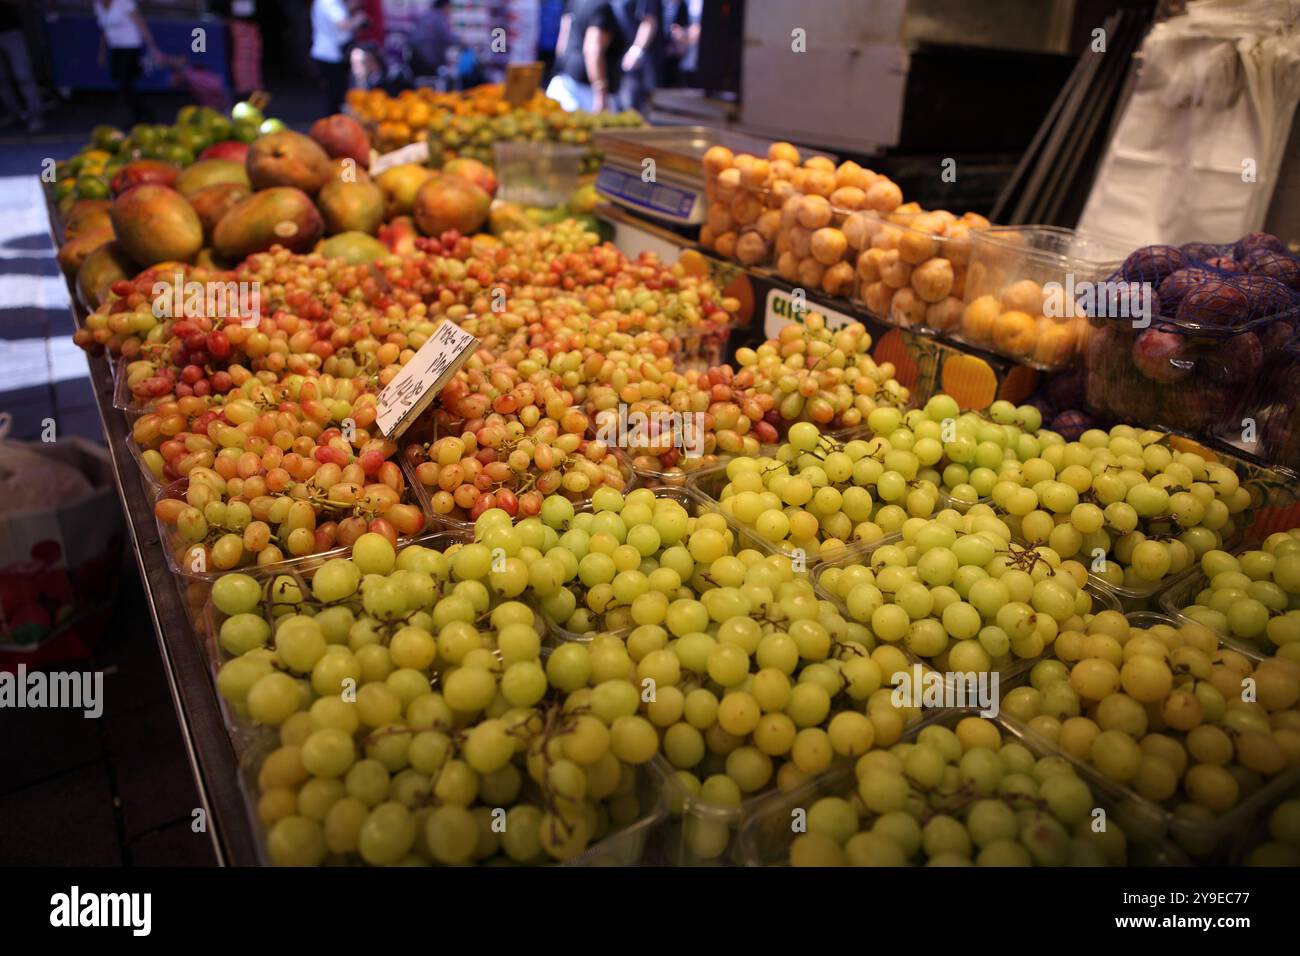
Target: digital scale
672	190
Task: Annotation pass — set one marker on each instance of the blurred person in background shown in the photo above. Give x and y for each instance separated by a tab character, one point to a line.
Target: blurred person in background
332	27
19	77
432	38
371	30
680	48
125	35
245	46
367	67
588	55
639	20
548	31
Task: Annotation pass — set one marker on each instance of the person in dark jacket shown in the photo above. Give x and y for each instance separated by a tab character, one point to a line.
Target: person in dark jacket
642	22
13	44
588	55
432	38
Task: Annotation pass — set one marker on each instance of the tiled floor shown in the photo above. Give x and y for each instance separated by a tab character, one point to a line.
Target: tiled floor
117	789
109	791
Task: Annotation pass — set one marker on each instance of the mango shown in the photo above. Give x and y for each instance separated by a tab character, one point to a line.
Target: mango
400	184
286	158
213	202
342	137
209	172
155	223
480	174
351	207
87	215
450	202
357	248
75	250
104	266
280	216
140	172
346	170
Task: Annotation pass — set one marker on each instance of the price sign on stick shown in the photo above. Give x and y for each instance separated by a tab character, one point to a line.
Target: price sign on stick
522	80
421	379
417	152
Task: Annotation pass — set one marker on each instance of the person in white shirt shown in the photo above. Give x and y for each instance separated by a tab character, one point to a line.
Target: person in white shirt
125	35
332	27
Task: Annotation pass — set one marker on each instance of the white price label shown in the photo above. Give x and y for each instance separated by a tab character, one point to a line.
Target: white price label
782	310
417	152
410	392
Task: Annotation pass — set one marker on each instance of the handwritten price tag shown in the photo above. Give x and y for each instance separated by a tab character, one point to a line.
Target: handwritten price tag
421	379
417	152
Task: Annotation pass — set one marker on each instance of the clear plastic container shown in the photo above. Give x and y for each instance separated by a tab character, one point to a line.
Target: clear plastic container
767	834
1224	385
625	847
694	506
537	174
633	845
701	834
910	277
251	741
457	518
680	475
1128	598
709	484
183	558
1257	831
1210	841
1008	669
1217	841
1175	601
1276	414
123	400
1138	599
1217	350
242	731
756	249
137	453
1020	287
946	500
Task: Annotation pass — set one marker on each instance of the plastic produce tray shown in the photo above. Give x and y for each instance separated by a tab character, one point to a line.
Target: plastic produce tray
176	550
1011	265
766	835
422	495
1009	670
1176	599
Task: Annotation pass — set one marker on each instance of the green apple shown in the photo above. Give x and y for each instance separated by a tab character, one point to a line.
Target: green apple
245	111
